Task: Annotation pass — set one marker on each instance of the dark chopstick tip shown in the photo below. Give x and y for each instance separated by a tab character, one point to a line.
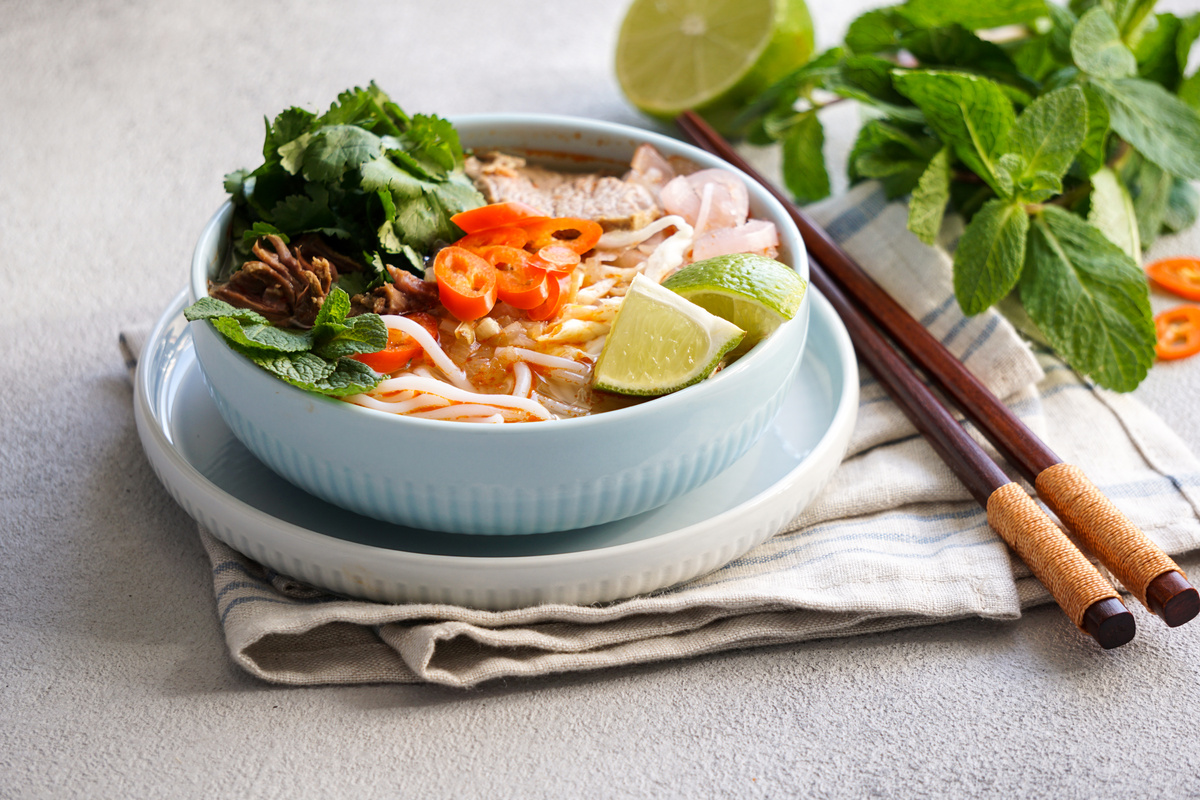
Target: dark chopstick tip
1171	597
1110	623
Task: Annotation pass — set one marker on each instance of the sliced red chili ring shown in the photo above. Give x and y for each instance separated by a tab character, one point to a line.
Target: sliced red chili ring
580	235
1179	275
554	303
1178	332
557	258
520	282
509	236
466	283
494	215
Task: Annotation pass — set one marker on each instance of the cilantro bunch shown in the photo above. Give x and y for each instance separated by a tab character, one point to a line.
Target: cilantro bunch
1066	142
364	173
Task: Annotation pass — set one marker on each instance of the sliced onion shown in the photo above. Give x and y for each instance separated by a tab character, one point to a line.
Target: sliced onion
756	236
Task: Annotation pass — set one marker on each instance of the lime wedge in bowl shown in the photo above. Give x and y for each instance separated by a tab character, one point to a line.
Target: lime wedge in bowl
755	293
708	55
660	343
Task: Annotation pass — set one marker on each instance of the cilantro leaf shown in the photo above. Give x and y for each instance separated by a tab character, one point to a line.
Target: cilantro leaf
990	255
928	204
336	149
1097	48
1089	298
803	163
969	113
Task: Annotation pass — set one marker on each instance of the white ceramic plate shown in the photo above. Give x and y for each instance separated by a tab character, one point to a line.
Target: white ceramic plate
250	508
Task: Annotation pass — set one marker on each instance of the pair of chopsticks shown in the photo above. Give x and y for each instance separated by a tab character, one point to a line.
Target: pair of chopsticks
1087	598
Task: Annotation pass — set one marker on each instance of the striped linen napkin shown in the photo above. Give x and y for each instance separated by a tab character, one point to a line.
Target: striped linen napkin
893	541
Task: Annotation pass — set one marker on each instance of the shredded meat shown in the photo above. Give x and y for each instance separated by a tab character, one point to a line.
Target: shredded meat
405	294
285	285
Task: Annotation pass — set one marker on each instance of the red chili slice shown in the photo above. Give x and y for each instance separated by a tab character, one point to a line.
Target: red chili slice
466	283
509	236
580	235
519	281
554	303
1178	332
495	215
1180	275
557	258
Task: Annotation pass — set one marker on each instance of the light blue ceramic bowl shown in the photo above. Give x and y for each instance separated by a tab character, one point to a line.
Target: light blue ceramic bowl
510	479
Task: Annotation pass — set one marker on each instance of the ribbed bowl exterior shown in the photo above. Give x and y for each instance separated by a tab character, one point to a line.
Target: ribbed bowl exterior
509	479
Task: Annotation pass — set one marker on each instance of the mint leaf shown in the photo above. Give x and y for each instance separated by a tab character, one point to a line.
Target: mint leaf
1155	51
892	153
1097	48
365	333
1156	122
1112	212
875	31
990	255
1093	152
1183	205
803	161
1047	136
973	14
1089	298
1151	190
1129	16
928	204
970	114
247	328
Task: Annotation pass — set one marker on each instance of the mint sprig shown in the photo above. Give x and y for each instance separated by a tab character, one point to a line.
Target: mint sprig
1067	148
316	360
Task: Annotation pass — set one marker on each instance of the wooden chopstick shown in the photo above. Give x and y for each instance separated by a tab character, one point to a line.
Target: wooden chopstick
1141	566
1088	599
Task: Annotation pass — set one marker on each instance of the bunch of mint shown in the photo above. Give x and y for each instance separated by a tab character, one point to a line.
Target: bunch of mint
1066	138
364	173
316	360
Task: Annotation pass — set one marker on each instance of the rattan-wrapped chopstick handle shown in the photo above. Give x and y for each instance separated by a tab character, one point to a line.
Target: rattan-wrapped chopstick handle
1118	543
1057	563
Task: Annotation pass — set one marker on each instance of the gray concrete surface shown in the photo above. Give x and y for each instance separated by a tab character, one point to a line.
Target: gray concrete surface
117	121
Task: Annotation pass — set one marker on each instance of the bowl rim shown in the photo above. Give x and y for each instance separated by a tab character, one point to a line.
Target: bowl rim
214	230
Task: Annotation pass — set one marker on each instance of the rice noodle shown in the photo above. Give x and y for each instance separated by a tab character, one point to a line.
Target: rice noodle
523	376
542	359
458	395
421	401
470	412
430	346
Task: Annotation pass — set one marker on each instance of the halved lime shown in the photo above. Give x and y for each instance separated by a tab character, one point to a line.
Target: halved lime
708	55
660	343
755	293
